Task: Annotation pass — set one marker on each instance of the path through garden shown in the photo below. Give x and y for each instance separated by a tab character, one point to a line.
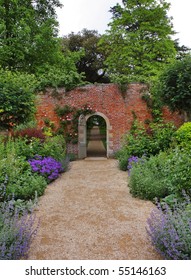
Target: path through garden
88	213
95	144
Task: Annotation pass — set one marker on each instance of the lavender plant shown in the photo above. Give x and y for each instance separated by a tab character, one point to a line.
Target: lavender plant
170	230
48	167
16	232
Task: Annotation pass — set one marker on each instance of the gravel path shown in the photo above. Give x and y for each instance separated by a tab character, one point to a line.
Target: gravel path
88	213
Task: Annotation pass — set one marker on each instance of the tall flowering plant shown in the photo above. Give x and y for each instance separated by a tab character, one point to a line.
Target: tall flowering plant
48	167
170	230
17	228
16	232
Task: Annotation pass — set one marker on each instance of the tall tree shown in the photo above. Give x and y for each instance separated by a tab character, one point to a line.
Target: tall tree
174	86
139	40
92	62
182	51
28	30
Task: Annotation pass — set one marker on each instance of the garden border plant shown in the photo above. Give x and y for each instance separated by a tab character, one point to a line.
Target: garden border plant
146	140
21	184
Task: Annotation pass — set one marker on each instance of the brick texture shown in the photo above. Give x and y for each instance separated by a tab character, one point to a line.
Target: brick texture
107	99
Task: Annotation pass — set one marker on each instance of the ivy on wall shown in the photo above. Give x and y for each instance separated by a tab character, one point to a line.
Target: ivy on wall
69	116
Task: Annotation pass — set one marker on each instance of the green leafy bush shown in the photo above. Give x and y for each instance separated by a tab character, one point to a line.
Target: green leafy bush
162	175
145	141
174	86
21	181
183	135
147	179
62	74
178	172
17	99
54	147
29	147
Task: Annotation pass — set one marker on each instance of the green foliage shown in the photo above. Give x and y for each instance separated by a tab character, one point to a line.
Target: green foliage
55	147
162	175
174	86
25	148
145	141
183	135
147	179
20	180
16	98
178	172
28	33
52	146
62	73
34	23
138	44
92	61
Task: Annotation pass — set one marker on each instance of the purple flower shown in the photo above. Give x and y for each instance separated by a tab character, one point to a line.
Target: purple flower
47	167
17	232
131	161
170	230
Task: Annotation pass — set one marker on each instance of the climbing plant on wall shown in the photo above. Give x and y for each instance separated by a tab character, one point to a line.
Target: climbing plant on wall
69	116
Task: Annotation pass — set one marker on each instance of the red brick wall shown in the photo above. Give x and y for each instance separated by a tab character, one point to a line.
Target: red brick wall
106	99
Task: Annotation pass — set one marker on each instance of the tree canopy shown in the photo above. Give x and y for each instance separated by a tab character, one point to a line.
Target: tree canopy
92	62
30	50
28	31
139	40
174	86
16	98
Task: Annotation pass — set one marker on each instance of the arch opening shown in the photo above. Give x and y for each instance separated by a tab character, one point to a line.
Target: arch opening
101	131
96	136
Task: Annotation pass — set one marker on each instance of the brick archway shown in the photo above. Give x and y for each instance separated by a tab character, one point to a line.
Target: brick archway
82	135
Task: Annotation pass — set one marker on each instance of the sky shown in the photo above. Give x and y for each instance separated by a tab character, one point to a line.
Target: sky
94	15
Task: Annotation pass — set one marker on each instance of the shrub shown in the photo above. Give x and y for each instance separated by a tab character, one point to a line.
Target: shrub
27	186
147	178
170	230
54	147
21	181
28	149
47	167
16	232
174	84
183	135
17	98
149	141
162	175
177	172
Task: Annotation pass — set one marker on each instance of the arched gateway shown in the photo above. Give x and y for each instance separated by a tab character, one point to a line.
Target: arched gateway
82	135
118	109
